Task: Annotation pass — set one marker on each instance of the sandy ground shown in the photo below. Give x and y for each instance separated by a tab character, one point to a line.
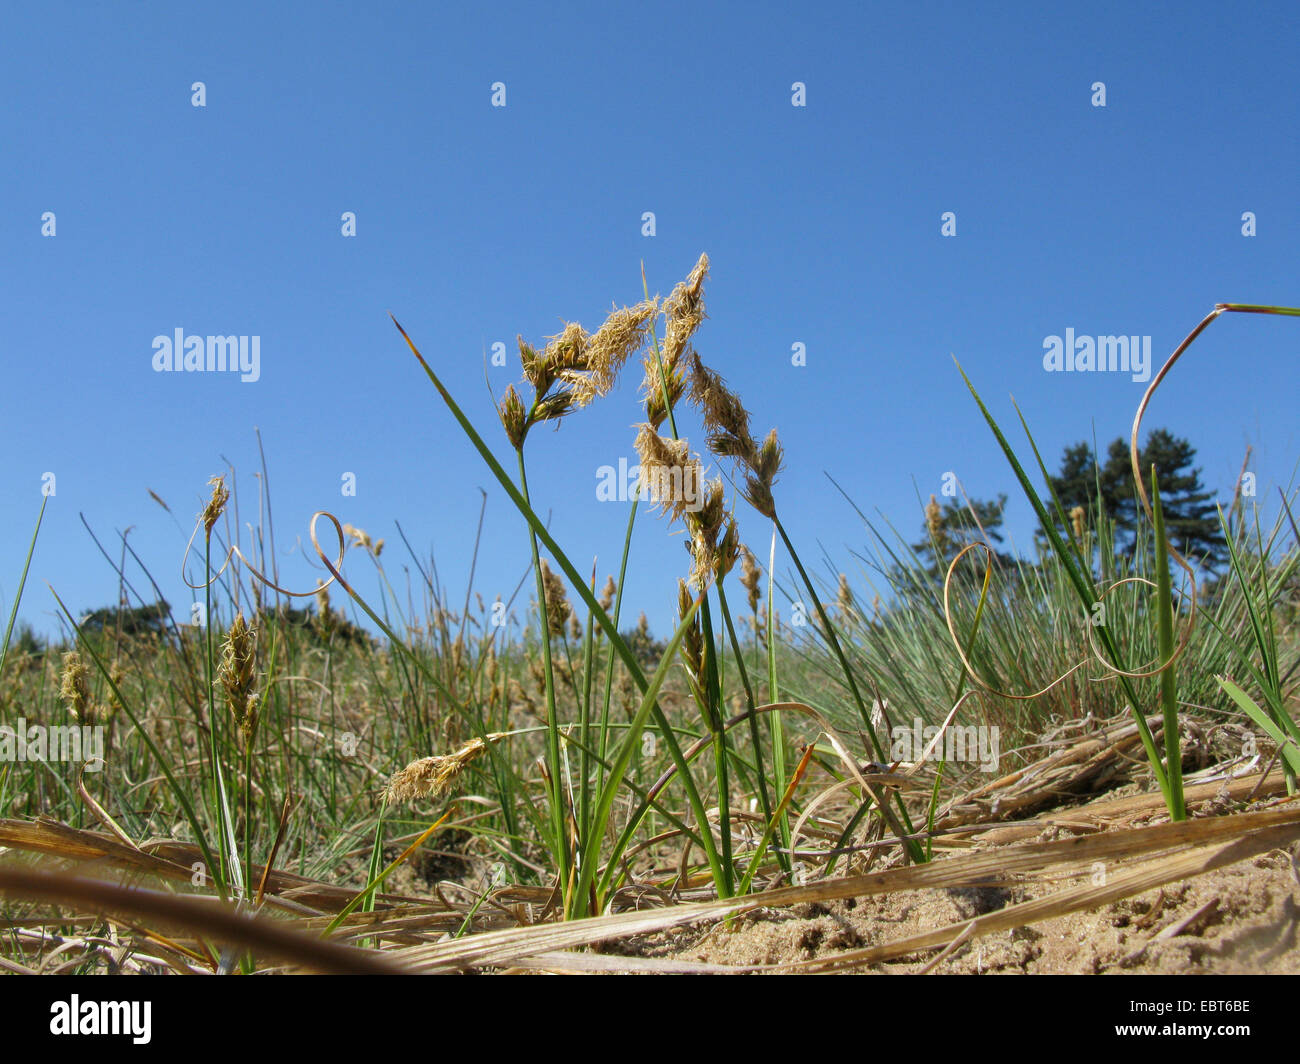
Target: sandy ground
1237	920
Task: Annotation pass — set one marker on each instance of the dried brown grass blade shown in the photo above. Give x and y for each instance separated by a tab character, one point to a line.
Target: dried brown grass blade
203	915
172	860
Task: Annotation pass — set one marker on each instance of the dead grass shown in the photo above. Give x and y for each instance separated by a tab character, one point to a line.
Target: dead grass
1103	885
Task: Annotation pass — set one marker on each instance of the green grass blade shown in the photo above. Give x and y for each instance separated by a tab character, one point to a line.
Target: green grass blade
605	802
1286	745
1165	644
22	582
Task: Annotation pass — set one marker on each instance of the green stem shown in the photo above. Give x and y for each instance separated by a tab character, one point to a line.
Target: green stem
765	799
555	767
914	849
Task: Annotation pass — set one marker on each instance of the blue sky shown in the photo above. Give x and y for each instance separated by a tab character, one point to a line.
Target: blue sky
476	223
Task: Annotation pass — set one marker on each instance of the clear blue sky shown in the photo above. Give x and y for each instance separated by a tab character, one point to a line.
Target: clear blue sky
475	223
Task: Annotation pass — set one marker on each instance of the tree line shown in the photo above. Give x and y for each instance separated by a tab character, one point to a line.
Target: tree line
1091	491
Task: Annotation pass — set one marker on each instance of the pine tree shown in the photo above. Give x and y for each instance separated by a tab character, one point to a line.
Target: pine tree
1109	489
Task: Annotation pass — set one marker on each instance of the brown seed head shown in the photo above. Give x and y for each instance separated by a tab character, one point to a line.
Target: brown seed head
844	598
725	418
763	471
567	349
624	333
536	371
934	518
705	524
519	697
728	550
361	538
670	476
323	613
749	576
432	777
514	418
1077	516
684	311
117	676
553	407
557	601
692	645
661	378
237	675
74	688
216	505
